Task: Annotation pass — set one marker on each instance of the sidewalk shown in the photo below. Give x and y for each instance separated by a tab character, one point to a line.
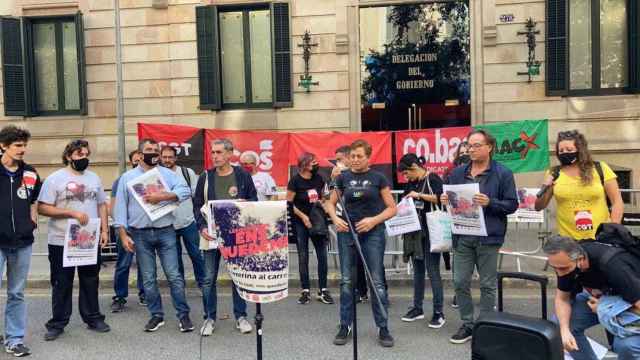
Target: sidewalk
521	239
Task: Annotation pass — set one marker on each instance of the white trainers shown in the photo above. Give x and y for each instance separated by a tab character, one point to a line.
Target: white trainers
243	325
208	327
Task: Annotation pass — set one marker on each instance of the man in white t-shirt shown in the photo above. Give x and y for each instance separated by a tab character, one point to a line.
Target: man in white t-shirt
73	192
264	183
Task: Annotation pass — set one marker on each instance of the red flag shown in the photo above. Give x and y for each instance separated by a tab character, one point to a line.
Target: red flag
438	146
270	147
187	140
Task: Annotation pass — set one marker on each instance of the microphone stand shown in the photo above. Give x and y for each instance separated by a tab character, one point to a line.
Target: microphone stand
358	255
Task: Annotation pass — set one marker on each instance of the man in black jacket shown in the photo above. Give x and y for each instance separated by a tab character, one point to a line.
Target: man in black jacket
222	182
19	189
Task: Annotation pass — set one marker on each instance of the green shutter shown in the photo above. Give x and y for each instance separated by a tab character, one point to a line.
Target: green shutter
208	60
82	74
282	92
557	82
633	13
13	69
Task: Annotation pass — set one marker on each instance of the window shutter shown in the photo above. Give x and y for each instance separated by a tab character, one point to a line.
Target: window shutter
208	60
557	69
82	75
634	48
13	69
282	92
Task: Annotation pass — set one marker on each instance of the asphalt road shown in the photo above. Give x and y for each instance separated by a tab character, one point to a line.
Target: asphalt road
291	331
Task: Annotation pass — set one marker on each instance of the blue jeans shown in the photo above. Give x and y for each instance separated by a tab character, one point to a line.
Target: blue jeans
431	264
210	292
583	318
18	262
121	276
373	245
320	244
148	242
191	238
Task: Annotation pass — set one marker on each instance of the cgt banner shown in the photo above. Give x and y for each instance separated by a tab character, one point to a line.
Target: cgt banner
438	146
271	148
324	145
255	247
187	140
522	146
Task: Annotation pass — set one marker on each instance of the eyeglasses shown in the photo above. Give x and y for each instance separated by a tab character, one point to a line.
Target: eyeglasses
476	145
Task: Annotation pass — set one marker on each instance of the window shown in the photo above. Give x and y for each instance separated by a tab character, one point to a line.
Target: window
591	46
43	66
244	57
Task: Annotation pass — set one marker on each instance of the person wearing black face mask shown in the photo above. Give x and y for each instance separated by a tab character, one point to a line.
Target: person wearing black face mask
589	273
305	192
583	189
73	192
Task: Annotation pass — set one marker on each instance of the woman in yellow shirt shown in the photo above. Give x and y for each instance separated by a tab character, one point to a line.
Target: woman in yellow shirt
580	197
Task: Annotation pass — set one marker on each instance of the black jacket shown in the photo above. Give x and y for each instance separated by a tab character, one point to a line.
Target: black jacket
244	182
17	194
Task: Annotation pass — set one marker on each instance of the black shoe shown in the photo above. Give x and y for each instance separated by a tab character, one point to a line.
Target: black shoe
18	350
325	297
304	297
454	302
118	304
185	324
413	314
154	324
463	335
142	300
437	321
99	326
384	337
343	335
52	334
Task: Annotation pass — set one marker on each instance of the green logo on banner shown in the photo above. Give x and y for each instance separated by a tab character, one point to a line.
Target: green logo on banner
522	146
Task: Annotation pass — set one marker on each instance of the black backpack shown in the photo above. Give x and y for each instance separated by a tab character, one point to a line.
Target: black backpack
619	238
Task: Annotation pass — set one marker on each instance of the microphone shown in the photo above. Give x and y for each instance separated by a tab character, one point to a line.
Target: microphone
544	188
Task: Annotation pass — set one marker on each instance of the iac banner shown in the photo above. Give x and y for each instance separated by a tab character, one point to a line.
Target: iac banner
255	247
188	141
522	146
324	145
271	148
438	146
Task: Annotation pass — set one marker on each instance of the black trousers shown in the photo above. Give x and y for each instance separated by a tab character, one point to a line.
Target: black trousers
62	291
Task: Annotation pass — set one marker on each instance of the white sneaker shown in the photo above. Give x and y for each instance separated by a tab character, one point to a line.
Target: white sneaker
243	325
208	327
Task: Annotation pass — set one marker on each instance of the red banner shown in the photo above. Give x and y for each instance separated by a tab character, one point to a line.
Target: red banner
187	140
270	147
438	146
324	145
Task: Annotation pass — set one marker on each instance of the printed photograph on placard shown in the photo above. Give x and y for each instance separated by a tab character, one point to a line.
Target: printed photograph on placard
467	218
151	182
81	243
526	212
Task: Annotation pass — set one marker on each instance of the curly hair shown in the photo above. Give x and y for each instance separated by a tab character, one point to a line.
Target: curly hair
72	147
11	133
585	161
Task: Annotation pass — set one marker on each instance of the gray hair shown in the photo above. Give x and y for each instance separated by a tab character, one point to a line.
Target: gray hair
228	145
251	156
558	243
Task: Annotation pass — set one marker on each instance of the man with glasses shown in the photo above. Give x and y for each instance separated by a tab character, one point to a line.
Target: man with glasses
146	237
73	192
498	198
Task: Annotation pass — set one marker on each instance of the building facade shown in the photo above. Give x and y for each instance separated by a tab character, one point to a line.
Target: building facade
373	65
